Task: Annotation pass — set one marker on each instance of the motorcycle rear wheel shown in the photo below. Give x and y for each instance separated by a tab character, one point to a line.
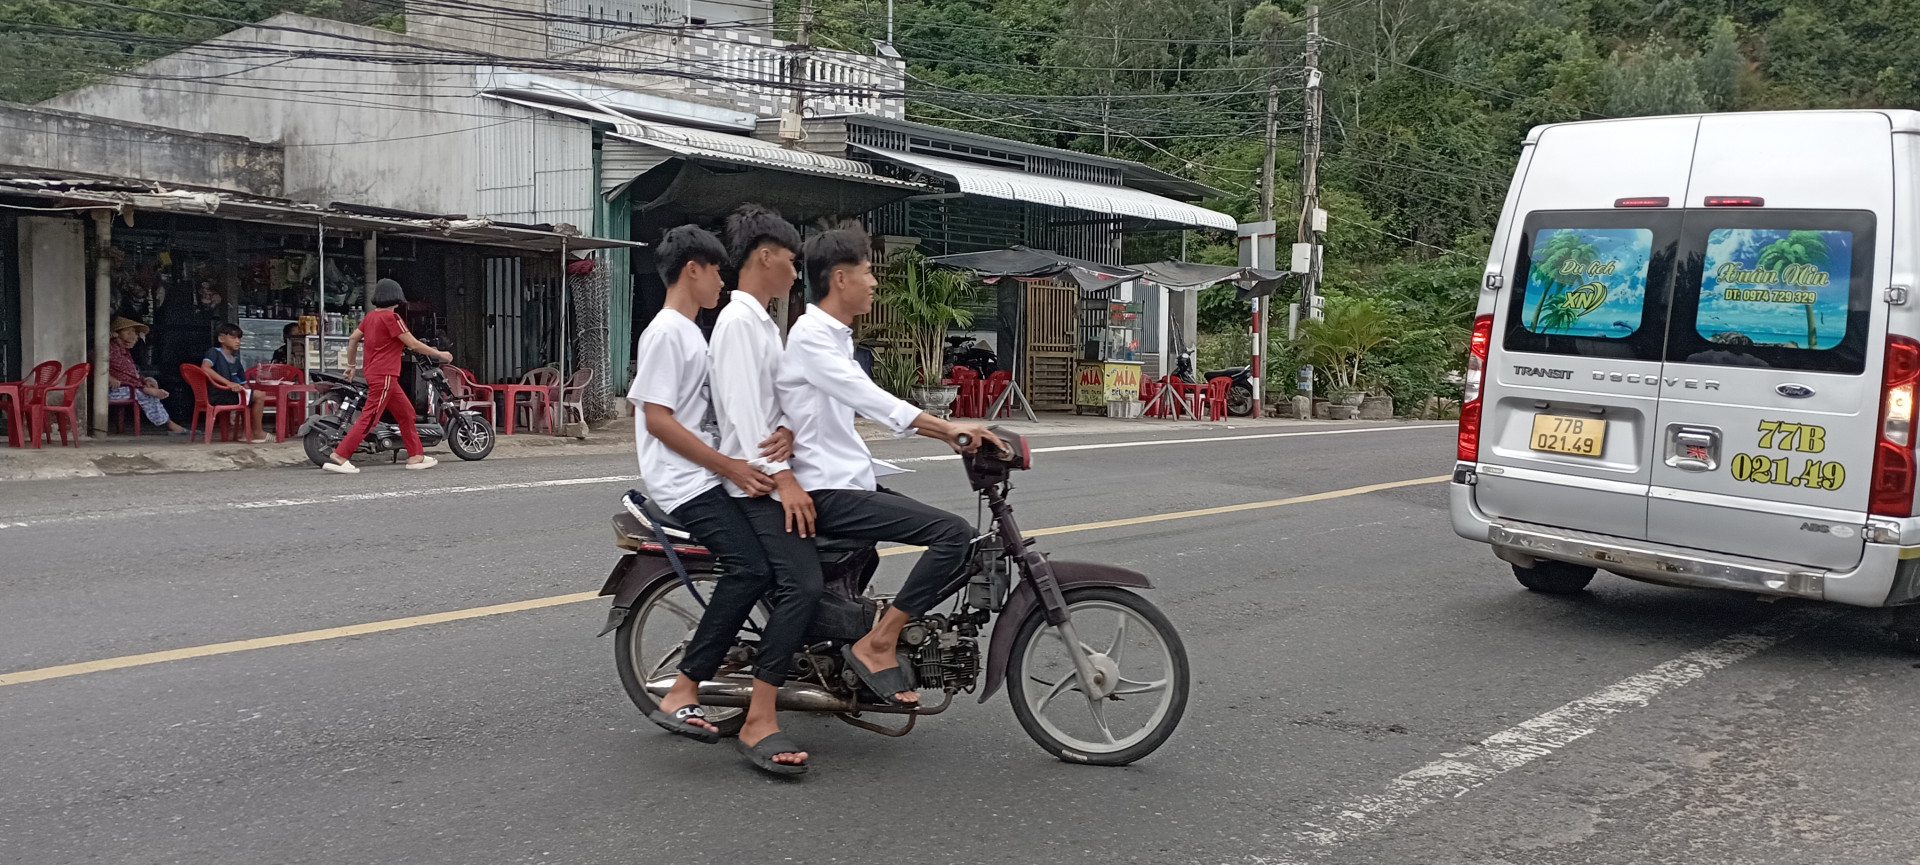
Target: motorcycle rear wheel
1240	400
1143	659
319	446
649	644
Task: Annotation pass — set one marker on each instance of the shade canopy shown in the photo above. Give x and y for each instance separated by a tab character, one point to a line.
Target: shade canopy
972	178
1248	282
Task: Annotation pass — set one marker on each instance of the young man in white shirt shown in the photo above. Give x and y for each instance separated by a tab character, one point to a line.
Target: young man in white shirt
684	474
821	389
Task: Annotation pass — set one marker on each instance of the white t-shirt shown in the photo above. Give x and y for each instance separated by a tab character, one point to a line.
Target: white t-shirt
671	371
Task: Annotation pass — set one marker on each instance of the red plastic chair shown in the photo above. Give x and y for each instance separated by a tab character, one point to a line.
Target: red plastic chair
130	404
997	382
468	396
968	380
59	402
1149	389
1217	388
296	402
43	376
197	380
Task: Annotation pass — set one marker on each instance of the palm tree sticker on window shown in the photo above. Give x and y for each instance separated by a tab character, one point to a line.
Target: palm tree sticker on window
1784	288
1589	282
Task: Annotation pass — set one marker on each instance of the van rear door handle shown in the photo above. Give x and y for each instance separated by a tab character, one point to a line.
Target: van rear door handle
1693	448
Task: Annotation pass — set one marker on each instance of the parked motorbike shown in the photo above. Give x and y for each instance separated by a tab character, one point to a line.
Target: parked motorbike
968	352
467	433
1240	395
1095	672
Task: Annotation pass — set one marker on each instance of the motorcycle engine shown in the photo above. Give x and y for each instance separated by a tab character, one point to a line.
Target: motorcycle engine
943	656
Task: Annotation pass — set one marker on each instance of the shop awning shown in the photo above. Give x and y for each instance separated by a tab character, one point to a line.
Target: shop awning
1249	282
93	193
1005	183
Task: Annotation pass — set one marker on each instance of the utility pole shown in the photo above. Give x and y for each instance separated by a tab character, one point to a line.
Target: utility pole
1257	373
1313	220
791	130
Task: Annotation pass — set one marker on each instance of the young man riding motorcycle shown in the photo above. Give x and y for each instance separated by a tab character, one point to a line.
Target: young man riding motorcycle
820	389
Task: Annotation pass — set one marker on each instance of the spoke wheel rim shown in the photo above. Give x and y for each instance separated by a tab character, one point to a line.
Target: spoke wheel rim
1123	645
665	623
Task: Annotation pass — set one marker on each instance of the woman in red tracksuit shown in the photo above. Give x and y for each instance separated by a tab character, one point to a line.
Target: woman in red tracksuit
384	335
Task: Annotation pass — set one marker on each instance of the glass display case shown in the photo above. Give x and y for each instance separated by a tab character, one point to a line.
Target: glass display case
261	338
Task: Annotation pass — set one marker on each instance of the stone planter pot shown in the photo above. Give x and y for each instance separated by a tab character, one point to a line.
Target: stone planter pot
937	401
1376	408
1352	399
1341	411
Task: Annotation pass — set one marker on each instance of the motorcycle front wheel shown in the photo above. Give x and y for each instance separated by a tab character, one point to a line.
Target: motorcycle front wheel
469	436
1140	679
649	644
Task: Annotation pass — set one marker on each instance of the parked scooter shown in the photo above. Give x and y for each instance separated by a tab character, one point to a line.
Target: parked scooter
467	433
968	352
1095	672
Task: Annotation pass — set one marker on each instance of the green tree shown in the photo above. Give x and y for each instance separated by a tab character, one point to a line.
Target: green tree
1721	65
1564	248
1798	247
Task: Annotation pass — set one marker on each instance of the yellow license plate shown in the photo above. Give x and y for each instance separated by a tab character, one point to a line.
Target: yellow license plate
1562	434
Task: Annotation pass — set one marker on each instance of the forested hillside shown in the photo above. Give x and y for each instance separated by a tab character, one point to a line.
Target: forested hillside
1426	100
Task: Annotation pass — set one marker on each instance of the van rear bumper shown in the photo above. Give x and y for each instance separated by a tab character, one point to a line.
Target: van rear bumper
1884	576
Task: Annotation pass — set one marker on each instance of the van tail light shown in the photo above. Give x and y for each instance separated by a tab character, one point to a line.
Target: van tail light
1473	389
1736	201
1891	494
1642	201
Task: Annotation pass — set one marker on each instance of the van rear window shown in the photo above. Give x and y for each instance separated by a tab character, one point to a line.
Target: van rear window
1786	290
1586	288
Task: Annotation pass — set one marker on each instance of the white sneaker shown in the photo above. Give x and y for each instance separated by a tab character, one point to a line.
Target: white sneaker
340	468
424	463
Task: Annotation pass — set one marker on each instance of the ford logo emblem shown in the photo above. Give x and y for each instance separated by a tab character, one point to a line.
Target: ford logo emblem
1794	391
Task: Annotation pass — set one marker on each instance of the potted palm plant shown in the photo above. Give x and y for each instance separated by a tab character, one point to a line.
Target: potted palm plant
925	302
1339	345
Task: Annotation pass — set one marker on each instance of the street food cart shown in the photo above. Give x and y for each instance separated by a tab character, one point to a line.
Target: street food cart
1107	376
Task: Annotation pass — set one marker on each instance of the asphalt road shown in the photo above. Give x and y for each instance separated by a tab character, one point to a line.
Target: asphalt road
1351	658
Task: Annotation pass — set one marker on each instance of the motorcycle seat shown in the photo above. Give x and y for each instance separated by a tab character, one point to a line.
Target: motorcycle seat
839	545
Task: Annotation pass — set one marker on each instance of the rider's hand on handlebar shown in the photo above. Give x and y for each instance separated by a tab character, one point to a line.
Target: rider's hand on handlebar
779	446
445	356
746	477
347	372
797	504
978	437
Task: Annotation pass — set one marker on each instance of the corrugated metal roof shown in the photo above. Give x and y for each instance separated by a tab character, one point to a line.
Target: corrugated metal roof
976	179
741	150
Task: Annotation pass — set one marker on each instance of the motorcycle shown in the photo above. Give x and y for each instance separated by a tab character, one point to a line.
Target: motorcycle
1095	672
968	352
467	433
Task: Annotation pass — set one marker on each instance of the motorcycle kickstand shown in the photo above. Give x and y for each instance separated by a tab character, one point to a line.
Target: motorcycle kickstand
870	726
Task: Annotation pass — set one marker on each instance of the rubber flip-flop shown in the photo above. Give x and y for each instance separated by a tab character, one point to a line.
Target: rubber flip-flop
763	752
677	723
884	683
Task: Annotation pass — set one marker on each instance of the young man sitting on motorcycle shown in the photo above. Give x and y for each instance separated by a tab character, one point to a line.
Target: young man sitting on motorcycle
820	390
684	472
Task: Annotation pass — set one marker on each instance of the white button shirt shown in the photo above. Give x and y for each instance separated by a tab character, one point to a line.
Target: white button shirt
745	350
820	390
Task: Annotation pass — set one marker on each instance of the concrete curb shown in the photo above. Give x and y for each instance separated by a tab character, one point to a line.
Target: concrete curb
139	458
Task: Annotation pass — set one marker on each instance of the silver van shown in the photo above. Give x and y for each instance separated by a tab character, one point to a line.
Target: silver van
1695	355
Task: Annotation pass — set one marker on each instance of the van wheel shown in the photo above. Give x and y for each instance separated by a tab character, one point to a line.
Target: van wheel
1554	578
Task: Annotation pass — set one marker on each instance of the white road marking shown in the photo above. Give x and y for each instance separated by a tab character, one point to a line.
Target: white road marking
1195	441
176	510
1459	773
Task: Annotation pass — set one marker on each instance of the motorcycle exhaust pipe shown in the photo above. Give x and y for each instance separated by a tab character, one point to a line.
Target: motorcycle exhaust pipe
737	693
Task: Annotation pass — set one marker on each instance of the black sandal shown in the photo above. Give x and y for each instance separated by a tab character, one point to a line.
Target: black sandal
883	683
762	754
677	723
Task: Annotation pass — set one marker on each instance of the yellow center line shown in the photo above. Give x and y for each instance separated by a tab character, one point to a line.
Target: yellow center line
65	670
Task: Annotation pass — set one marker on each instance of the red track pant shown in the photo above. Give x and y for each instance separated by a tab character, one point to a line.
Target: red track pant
383	394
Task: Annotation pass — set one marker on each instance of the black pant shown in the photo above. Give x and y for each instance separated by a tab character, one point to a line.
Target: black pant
889	516
756	554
